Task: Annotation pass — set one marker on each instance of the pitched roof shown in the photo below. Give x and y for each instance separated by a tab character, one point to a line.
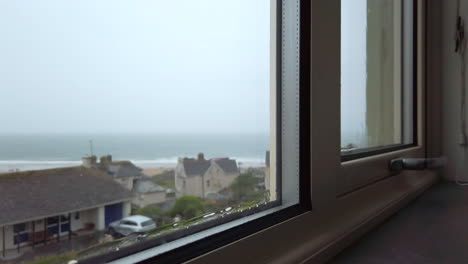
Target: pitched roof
124	169
195	167
122	162
199	167
227	165
146	185
37	194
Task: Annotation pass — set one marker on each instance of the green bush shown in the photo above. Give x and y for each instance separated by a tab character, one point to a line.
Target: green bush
188	207
244	188
154	213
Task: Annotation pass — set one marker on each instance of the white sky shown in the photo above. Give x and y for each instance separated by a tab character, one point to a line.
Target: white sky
134	66
353	72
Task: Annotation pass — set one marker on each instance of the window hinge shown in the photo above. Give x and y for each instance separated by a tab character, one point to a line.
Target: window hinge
400	164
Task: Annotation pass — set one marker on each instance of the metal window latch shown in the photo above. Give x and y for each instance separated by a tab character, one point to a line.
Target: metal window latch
398	165
460	35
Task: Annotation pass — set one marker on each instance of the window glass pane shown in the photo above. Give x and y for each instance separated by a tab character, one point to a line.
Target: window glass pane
52	220
19	228
376	73
166	112
147	223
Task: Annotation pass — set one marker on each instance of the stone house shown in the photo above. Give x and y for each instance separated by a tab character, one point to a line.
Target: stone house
204	178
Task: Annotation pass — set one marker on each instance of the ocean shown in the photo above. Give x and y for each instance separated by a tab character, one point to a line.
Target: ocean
43	151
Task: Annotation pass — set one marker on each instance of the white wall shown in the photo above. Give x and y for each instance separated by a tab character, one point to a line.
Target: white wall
218	179
179	177
100	219
9	243
88	216
127	209
353	71
126	182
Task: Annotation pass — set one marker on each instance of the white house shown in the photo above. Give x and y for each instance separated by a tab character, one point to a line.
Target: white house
47	205
204	178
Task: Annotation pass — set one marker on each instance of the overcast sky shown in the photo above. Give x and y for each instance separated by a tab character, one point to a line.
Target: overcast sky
99	66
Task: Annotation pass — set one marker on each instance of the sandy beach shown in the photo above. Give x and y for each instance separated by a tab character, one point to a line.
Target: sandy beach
155	171
149	168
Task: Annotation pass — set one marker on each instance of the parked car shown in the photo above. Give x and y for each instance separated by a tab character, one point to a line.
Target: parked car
130	225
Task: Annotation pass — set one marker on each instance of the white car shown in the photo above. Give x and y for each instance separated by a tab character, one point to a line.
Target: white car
130	225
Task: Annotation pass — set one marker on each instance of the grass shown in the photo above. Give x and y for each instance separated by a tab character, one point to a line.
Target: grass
165	179
58	259
165	183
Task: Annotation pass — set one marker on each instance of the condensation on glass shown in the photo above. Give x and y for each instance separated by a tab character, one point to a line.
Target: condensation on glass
376	73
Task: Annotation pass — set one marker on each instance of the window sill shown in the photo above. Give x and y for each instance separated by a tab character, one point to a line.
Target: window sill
316	236
351	177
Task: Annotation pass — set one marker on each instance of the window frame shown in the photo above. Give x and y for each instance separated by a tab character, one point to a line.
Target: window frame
375	163
413	114
341	219
218	240
323	162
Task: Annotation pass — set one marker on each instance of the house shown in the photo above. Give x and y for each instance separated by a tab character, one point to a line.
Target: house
148	193
131	177
123	172
47	204
202	178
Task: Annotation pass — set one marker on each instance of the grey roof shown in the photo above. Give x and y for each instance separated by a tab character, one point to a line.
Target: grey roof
36	194
227	165
146	185
196	167
124	169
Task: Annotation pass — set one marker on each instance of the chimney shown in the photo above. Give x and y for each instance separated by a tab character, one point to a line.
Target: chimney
201	157
106	161
89	162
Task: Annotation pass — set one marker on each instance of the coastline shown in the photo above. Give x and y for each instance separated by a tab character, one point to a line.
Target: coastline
151	167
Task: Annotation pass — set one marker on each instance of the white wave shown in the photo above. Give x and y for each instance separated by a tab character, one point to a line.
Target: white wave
39	162
7	166
169	162
251	160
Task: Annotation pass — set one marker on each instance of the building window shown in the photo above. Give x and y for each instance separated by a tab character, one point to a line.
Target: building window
52	220
19	228
208	183
382	89
20	235
129	223
64	218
